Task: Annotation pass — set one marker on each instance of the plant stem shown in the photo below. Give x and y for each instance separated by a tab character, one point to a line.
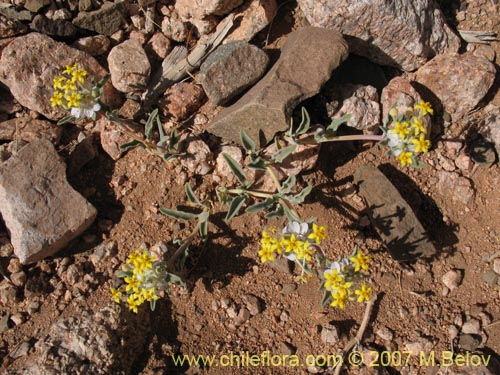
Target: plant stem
185	244
257	194
310	140
274	177
359	335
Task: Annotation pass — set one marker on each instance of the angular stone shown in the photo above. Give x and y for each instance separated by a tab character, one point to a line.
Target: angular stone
306	63
452	186
200	8
9	27
29	129
158	46
94	45
361	102
174	28
231	69
404	33
106	20
29	64
182	100
458	81
255	16
35	5
490	128
40	209
47	26
392	217
18	15
129	67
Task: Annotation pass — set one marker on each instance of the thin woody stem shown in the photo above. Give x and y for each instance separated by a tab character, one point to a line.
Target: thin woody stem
257	194
185	244
310	140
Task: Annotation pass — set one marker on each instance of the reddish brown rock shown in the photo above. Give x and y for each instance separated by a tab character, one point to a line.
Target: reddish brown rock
41	210
10	27
307	60
458	81
29	129
94	45
29	64
174	27
158	46
392	217
404	33
182	100
255	16
129	67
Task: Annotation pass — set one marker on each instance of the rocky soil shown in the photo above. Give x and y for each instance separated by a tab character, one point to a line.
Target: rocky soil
74	204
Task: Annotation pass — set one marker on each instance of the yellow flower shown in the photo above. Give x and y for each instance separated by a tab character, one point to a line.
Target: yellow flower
142	263
304	251
332	279
266	254
405	158
292	244
318	234
393	113
339	300
277	246
70	69
74	99
360	261
69	87
401	129
59	82
131	259
149	294
134	300
79	75
418	126
116	294
421	144
424	107
132	284
56	99
364	293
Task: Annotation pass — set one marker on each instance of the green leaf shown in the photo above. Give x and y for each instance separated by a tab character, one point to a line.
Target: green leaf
204	229
235	168
103	81
191	196
130	145
65	120
289	214
266	204
305	123
173	142
179	215
235	206
203	216
300	197
163	137
326	297
419	164
258	163
288	184
148	128
246	141
152	304
336	122
283	153
276	213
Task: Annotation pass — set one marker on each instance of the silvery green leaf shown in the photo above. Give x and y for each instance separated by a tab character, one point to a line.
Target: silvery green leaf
163	137
289	214
152	304
336	122
235	168
123	274
305	123
299	198
283	153
174	279
247	142
419	164
203	216
179	215
130	145
326	297
174	140
235	206
64	120
276	213
266	204
191	196
148	128
257	163
204	229
288	184
103	81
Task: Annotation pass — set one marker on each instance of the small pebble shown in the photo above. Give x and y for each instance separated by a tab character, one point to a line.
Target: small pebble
452	279
385	334
329	334
17	319
472	326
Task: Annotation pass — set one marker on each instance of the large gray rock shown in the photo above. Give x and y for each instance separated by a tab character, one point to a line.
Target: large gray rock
41	210
401	33
47	26
231	69
459	81
307	60
129	67
106	20
392	217
29	64
10	27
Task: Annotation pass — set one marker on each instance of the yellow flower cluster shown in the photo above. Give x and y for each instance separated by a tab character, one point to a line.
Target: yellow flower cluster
140	283
75	93
341	277
406	133
294	246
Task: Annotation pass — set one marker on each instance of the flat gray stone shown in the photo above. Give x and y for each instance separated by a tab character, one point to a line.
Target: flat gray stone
41	210
106	20
307	60
392	217
47	26
231	69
